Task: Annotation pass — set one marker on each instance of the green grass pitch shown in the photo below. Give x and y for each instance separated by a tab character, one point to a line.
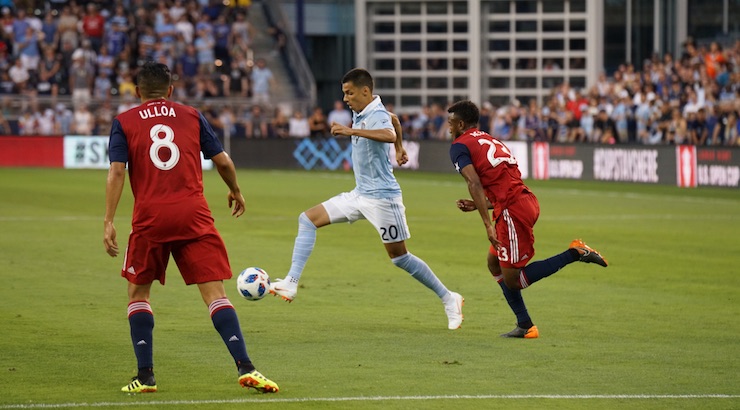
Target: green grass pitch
658	328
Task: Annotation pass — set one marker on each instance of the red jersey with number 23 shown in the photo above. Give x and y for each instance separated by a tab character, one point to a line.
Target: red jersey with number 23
162	141
493	162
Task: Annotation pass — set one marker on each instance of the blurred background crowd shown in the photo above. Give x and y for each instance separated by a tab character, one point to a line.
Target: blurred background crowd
68	67
691	99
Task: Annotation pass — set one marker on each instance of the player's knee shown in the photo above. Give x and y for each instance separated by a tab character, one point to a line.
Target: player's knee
512	282
494	268
305	221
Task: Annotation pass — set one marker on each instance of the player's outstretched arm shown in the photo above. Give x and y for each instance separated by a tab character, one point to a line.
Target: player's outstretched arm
113	190
467	205
226	169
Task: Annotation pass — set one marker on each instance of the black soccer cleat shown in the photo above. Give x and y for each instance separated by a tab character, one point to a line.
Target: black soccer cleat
522	333
587	254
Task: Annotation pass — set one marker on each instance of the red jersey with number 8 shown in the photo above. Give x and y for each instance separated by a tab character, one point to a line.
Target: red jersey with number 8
493	162
163	143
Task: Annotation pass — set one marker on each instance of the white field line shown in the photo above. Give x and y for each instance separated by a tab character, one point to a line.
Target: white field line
380	398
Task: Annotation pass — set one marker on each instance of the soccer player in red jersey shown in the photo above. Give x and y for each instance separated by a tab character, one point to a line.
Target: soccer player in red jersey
494	182
161	141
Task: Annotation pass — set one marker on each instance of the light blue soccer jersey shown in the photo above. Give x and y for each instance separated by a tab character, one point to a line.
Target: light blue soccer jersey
370	159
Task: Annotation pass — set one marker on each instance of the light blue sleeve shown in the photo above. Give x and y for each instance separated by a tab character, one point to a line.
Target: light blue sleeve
379	120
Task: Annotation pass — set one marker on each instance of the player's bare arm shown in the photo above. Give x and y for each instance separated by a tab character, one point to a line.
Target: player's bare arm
382	135
113	190
226	169
480	201
468	205
401	156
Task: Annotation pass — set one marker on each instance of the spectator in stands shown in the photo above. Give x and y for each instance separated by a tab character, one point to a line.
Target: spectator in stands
605	130
420	124
621	115
104	118
280	125
698	128
49	73
83	120
45	122
102	87
27	123
298	126
18	30
187	65
20	76
50	31
237	81
204	46
340	115
279	39
713	58
126	86
93	26
81	78
501	124
228	121
28	47
317	123
67	27
146	40
87	53
532	128
241	30
177	10
255	123
118	28
63	118
678	131
166	32
185	28
105	63
576	102
221	40
262	82
486	115
437	123
725	132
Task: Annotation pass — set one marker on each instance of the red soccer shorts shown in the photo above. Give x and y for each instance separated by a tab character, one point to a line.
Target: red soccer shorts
200	260
515	231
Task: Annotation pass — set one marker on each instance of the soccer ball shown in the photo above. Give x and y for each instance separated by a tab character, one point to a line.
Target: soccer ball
253	283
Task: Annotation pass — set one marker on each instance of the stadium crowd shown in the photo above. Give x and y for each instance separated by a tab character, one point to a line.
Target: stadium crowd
692	100
89	53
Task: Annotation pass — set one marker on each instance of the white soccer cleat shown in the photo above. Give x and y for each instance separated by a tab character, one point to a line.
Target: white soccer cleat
284	288
454	311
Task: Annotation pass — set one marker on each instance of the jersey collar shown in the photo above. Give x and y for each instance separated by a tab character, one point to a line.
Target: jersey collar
372	106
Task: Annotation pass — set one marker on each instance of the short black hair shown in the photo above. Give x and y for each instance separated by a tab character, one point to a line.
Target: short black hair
466	111
359	77
153	79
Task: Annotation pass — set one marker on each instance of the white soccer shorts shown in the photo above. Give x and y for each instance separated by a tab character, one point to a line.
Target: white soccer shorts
387	215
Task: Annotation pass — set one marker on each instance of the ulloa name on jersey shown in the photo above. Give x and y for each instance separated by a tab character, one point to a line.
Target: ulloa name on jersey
157	111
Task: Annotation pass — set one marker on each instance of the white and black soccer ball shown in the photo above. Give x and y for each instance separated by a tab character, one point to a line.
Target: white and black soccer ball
253	283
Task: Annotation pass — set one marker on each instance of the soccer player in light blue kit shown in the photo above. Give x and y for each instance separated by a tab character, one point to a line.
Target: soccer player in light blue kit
377	196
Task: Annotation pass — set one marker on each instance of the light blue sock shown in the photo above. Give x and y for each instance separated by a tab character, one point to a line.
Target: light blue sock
303	247
420	271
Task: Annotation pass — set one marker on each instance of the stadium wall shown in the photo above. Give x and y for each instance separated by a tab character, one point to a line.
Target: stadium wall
684	165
